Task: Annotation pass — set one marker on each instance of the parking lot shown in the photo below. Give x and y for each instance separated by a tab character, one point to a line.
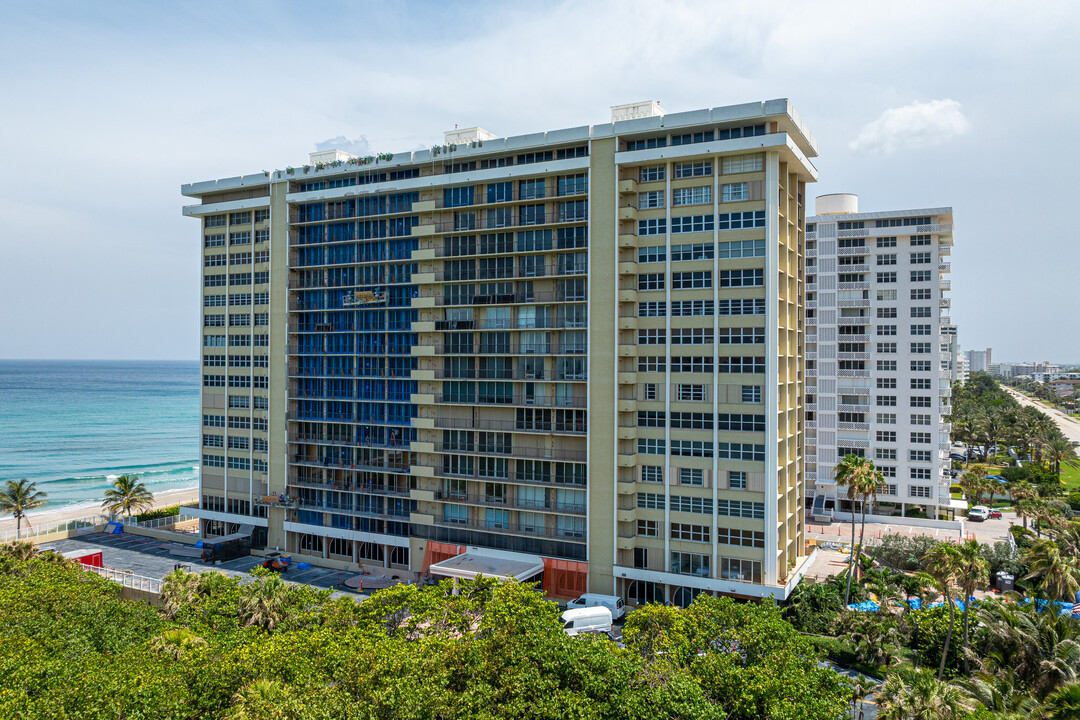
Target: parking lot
151	558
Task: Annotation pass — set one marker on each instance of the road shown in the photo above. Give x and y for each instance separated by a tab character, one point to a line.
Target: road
1068	425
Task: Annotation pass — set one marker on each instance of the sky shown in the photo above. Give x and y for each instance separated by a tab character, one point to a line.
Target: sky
106	108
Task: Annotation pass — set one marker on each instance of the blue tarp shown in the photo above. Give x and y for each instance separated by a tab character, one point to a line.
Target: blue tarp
865	606
114	528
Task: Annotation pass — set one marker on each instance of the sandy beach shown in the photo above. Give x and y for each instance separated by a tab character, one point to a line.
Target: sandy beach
46	517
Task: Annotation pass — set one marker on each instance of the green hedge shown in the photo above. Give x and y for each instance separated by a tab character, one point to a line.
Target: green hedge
159	513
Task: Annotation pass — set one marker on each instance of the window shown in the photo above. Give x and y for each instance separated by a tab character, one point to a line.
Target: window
692	308
652	199
690	533
886	295
922	348
735	192
652	174
920	276
887	348
886	436
886	277
741	220
701	195
920	258
920	293
886	312
920	401
740	570
691	223
239	218
744	538
652	474
886	259
736	480
886	418
651	418
885	453
920	419
217	421
751	393
646	143
920	383
693	169
886	242
920	311
691	364
741	508
886	383
920	438
886	330
690	564
656	226
745	364
743	163
214	221
651	363
650	391
650	446
688	138
885	401
650	501
744	306
692	476
690	393
886	365
648	528
651	281
691	280
741	249
920	366
920	329
754	277
917	240
919	491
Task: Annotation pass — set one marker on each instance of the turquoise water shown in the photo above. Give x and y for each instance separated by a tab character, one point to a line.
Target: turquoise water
72	426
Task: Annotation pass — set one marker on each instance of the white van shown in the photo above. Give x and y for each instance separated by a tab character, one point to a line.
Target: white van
613	603
978	513
587	620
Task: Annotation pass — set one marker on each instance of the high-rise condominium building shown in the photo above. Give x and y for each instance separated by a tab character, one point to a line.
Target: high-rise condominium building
573	356
980	360
879	352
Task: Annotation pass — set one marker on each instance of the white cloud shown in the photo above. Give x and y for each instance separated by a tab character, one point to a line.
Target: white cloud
914	126
358	146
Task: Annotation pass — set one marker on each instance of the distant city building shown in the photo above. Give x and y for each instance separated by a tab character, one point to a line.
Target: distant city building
1038	371
979	360
958	364
879	350
577	354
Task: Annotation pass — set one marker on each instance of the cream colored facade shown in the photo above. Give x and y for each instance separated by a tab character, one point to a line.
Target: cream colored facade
583	345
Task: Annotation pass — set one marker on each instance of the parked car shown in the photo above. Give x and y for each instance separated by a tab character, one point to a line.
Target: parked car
596	619
275	564
614	603
995	514
978	513
956	456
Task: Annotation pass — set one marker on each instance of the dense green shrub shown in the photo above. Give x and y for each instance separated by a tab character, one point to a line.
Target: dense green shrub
901	552
158	513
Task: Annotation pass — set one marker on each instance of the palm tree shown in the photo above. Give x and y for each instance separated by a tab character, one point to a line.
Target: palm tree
861	478
1038	651
177	643
263	603
943	563
1057	576
861	686
178	590
20	550
18	498
973	572
128	493
1062	704
1022	490
909	694
1059	450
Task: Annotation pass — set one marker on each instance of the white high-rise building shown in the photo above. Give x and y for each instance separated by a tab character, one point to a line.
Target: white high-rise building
879	370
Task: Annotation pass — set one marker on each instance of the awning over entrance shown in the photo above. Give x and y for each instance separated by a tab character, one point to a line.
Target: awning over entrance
499	564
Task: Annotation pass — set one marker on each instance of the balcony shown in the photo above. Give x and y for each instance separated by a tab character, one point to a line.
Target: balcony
515	298
517	504
362	488
945	302
549	348
514	478
547	428
857	426
513	529
853	286
853	373
844	337
849	251
860	303
944	267
483	222
527	453
551	401
945	285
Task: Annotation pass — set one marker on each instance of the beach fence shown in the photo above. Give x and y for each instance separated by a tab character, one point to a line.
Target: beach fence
128	580
89	524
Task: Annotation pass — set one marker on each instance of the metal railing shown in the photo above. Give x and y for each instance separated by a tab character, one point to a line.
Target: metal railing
31	531
127	579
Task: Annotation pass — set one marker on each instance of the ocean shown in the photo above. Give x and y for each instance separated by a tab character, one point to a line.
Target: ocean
73	426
